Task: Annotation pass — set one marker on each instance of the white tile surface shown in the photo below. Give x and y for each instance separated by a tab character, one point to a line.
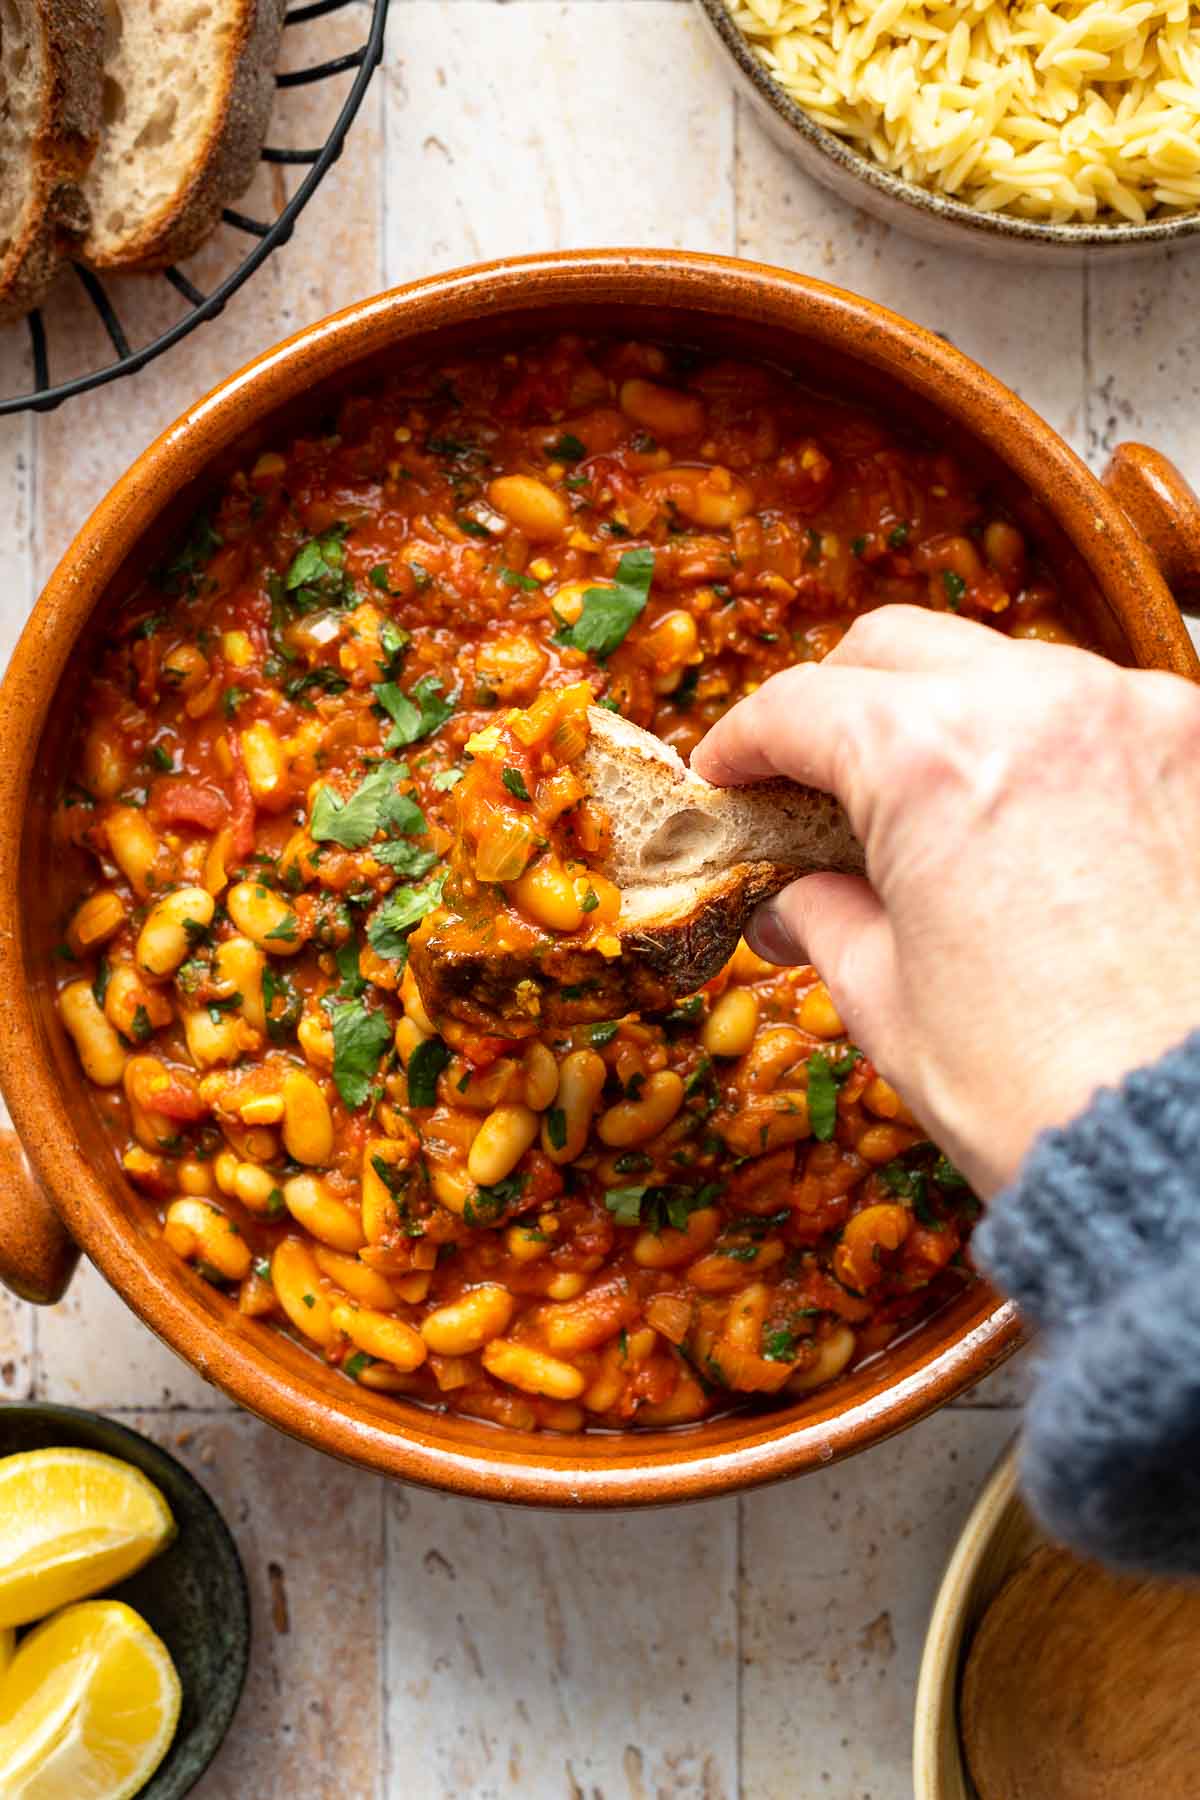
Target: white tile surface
532	1654
616	129
436	1648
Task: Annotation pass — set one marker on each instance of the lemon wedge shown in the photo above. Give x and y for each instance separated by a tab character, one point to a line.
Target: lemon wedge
72	1522
88	1707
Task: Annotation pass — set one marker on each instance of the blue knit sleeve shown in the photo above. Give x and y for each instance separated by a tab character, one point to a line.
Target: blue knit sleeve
1098	1241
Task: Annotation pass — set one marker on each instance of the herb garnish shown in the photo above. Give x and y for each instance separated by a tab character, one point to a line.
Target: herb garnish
608	613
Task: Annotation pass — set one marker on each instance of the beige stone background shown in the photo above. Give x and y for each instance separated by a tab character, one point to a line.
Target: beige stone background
414	1647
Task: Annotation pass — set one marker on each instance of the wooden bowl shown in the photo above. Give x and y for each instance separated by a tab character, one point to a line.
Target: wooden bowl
997	1537
1123	545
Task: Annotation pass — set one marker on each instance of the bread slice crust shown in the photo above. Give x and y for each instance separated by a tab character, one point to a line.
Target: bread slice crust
218	166
54	217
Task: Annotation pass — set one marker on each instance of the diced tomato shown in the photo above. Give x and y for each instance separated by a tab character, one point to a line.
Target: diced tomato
181	802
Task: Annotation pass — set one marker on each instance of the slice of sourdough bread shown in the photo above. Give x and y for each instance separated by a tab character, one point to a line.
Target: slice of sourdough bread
49	129
692	862
188	90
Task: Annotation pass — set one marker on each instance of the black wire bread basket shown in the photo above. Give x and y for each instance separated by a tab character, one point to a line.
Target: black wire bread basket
265	235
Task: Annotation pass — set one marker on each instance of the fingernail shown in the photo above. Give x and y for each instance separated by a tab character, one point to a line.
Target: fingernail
769	936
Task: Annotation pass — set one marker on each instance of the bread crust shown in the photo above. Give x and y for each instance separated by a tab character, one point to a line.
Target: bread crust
555	983
56	213
224	165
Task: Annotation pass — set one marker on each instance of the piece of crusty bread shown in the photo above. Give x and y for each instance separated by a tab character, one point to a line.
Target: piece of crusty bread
692	862
49	129
188	89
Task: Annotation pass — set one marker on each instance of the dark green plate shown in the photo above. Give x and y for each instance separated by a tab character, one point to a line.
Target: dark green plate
193	1595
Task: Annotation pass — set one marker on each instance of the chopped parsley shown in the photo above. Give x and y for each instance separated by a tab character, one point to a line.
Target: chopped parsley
660	1205
405	907
317	575
353	983
413	715
325	680
162	759
424	1066
898	536
568	448
360	1038
379	577
955	588
375	805
824	1080
487	1204
231	699
513	578
608	613
556	1127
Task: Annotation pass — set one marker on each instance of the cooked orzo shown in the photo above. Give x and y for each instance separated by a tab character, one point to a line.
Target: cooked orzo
1071	110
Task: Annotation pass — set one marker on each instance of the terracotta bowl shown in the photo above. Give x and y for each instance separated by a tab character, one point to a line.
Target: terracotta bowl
1124	545
838	164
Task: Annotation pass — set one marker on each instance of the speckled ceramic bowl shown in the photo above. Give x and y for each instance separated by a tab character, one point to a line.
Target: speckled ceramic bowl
193	1595
1126	543
835	163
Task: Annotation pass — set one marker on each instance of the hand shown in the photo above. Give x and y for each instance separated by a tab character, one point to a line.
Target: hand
1031	818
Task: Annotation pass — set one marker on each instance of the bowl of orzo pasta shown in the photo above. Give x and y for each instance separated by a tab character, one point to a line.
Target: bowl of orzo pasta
1057	127
358	602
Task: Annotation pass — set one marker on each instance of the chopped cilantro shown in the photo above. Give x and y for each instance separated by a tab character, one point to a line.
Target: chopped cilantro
898	536
354	1365
199	547
413	715
955	588
779	1346
360	1038
822	1096
599	1035
162	759
859	544
513	578
378	577
590	901
608	613
514	781
231	699
445	779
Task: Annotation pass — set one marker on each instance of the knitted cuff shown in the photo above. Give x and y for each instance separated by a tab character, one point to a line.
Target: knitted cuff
1100	1198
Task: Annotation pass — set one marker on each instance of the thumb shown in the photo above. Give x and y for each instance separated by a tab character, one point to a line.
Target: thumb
838	923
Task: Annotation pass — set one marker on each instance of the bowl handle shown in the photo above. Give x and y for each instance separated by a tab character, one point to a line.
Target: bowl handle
37	1254
1165	511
